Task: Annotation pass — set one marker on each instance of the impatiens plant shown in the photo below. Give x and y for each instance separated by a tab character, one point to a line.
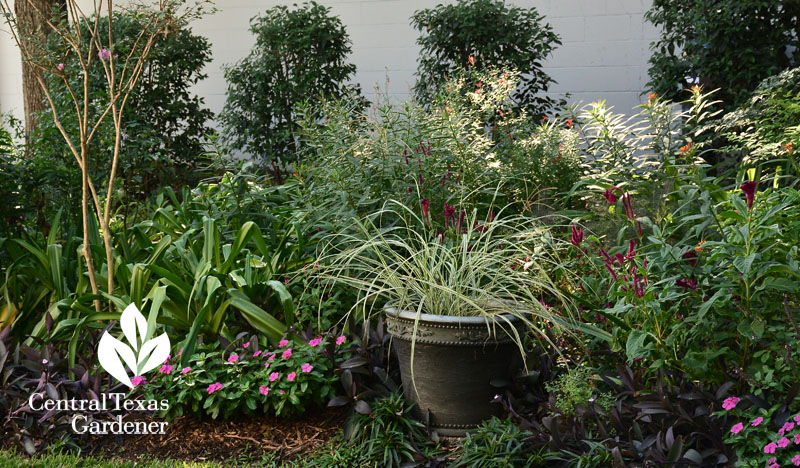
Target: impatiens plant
761	434
244	379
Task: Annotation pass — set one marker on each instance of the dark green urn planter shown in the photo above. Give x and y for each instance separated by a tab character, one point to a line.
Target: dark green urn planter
455	359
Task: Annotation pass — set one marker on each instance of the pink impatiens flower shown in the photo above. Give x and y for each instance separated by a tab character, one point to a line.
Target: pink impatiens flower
315	342
756	421
306	367
266	364
770	447
796	460
186	370
233	358
165	369
797	419
257	353
737	428
246	345
264	390
271	357
340	340
214	387
283	343
783	442
291	376
138	380
730	403
273	376
797	439
287	354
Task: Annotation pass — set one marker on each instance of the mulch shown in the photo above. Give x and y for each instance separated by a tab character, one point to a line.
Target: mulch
188	439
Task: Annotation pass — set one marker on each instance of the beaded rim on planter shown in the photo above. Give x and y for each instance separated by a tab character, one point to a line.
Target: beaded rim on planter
450	330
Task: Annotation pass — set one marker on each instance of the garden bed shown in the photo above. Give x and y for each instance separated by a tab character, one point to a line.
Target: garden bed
192	440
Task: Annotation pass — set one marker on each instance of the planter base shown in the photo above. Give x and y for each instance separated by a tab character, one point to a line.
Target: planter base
455	361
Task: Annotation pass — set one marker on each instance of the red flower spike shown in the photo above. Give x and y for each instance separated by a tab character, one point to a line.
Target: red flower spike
691	258
449	211
609	195
626	202
460	221
611	270
749	189
577	236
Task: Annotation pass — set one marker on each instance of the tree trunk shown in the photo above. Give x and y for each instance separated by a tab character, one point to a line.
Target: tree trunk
33	33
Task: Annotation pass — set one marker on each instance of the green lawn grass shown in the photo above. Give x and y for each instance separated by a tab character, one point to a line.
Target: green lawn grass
333	455
10	459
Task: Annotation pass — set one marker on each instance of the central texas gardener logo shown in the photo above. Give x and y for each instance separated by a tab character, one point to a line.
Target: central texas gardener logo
144	353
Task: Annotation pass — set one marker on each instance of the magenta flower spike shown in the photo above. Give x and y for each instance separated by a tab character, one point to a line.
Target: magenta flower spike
425	205
609	195
449	212
577	236
626	202
749	189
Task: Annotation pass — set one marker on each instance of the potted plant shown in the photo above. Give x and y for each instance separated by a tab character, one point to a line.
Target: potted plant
458	301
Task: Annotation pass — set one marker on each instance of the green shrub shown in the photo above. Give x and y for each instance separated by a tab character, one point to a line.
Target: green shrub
12	210
443	154
765	130
226	257
727	44
388	436
499	442
485	33
165	124
300	55
245	379
694	256
578	387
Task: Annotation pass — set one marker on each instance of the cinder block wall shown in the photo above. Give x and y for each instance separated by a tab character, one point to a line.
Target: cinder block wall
604	53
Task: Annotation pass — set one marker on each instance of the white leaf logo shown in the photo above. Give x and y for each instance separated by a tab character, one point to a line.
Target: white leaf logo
112	353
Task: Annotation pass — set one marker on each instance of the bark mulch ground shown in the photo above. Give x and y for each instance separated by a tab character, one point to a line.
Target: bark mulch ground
189	439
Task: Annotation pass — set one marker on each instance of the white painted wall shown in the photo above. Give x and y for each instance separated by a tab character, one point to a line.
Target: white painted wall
604	53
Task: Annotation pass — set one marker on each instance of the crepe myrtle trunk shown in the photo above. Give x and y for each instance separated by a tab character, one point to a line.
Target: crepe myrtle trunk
30	20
